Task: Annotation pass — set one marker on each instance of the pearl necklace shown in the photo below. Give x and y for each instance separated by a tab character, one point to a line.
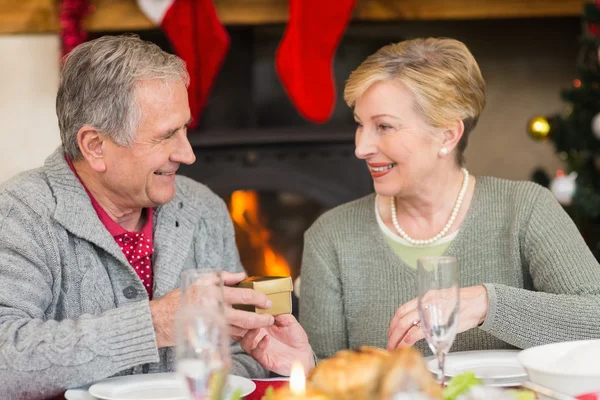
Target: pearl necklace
443	232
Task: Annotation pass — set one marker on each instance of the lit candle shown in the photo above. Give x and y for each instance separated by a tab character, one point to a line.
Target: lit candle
297	389
297	380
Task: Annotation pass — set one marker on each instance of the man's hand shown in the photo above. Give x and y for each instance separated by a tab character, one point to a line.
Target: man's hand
163	317
278	346
164	310
240	322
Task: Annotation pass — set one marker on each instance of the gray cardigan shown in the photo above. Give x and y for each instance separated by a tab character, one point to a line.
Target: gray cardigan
72	309
543	282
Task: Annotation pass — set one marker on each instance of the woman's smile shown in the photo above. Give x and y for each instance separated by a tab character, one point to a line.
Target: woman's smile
380	169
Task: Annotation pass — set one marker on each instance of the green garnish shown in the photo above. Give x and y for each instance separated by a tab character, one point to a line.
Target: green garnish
269	393
237	395
459	385
521	394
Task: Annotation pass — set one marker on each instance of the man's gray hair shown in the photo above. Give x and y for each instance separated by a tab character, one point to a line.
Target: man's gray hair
98	85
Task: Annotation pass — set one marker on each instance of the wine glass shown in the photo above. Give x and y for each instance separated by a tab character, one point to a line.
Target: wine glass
202	338
438	295
202	287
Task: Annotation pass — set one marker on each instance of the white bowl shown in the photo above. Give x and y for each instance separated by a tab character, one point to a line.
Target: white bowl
572	368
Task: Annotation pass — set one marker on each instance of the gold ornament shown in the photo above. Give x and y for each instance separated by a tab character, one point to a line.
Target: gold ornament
539	128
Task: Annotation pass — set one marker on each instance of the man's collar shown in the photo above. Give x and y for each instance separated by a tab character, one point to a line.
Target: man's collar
111	225
74	209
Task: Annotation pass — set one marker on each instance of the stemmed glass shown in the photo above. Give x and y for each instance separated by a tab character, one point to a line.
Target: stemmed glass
202	352
438	294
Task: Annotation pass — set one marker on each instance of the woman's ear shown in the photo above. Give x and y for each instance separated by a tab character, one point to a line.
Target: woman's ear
452	135
91	144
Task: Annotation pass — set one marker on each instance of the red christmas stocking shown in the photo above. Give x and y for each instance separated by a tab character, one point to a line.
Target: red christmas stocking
198	37
305	55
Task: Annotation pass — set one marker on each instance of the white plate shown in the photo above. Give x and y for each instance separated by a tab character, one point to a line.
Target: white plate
80	393
162	386
493	367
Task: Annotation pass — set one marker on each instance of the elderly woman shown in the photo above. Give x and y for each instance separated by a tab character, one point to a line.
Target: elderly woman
527	277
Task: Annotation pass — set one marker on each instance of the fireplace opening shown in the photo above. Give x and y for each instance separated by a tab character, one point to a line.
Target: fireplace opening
269	229
276	183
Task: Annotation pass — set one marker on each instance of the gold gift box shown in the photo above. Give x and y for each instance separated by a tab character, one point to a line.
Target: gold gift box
277	288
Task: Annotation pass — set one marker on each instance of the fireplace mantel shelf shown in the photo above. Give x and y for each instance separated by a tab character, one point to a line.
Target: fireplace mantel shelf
285	135
41	16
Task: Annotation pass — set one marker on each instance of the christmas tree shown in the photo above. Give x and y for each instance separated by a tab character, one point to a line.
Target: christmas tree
576	135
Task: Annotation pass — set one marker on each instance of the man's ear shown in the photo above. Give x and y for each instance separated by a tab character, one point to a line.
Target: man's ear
91	144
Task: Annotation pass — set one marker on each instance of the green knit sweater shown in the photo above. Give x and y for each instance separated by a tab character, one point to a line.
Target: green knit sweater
543	282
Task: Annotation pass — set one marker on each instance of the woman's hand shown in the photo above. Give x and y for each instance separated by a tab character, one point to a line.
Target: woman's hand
278	346
405	327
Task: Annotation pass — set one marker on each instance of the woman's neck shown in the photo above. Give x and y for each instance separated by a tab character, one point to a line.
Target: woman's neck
424	212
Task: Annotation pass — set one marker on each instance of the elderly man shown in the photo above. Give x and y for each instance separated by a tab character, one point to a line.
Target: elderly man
92	244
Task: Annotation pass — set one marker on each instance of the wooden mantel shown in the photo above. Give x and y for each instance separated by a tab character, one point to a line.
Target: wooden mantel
41	16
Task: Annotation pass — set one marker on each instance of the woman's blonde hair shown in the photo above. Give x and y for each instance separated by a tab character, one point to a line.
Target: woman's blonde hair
441	74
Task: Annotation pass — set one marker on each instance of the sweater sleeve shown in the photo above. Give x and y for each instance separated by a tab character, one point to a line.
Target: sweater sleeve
242	363
321	300
40	357
566	302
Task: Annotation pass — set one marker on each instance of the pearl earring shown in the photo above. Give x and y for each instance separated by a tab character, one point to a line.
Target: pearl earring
443	152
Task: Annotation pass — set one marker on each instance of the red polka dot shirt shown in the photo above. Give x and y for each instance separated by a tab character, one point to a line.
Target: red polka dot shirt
136	246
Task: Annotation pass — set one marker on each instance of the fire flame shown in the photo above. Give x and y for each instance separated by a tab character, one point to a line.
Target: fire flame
245	213
297	379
